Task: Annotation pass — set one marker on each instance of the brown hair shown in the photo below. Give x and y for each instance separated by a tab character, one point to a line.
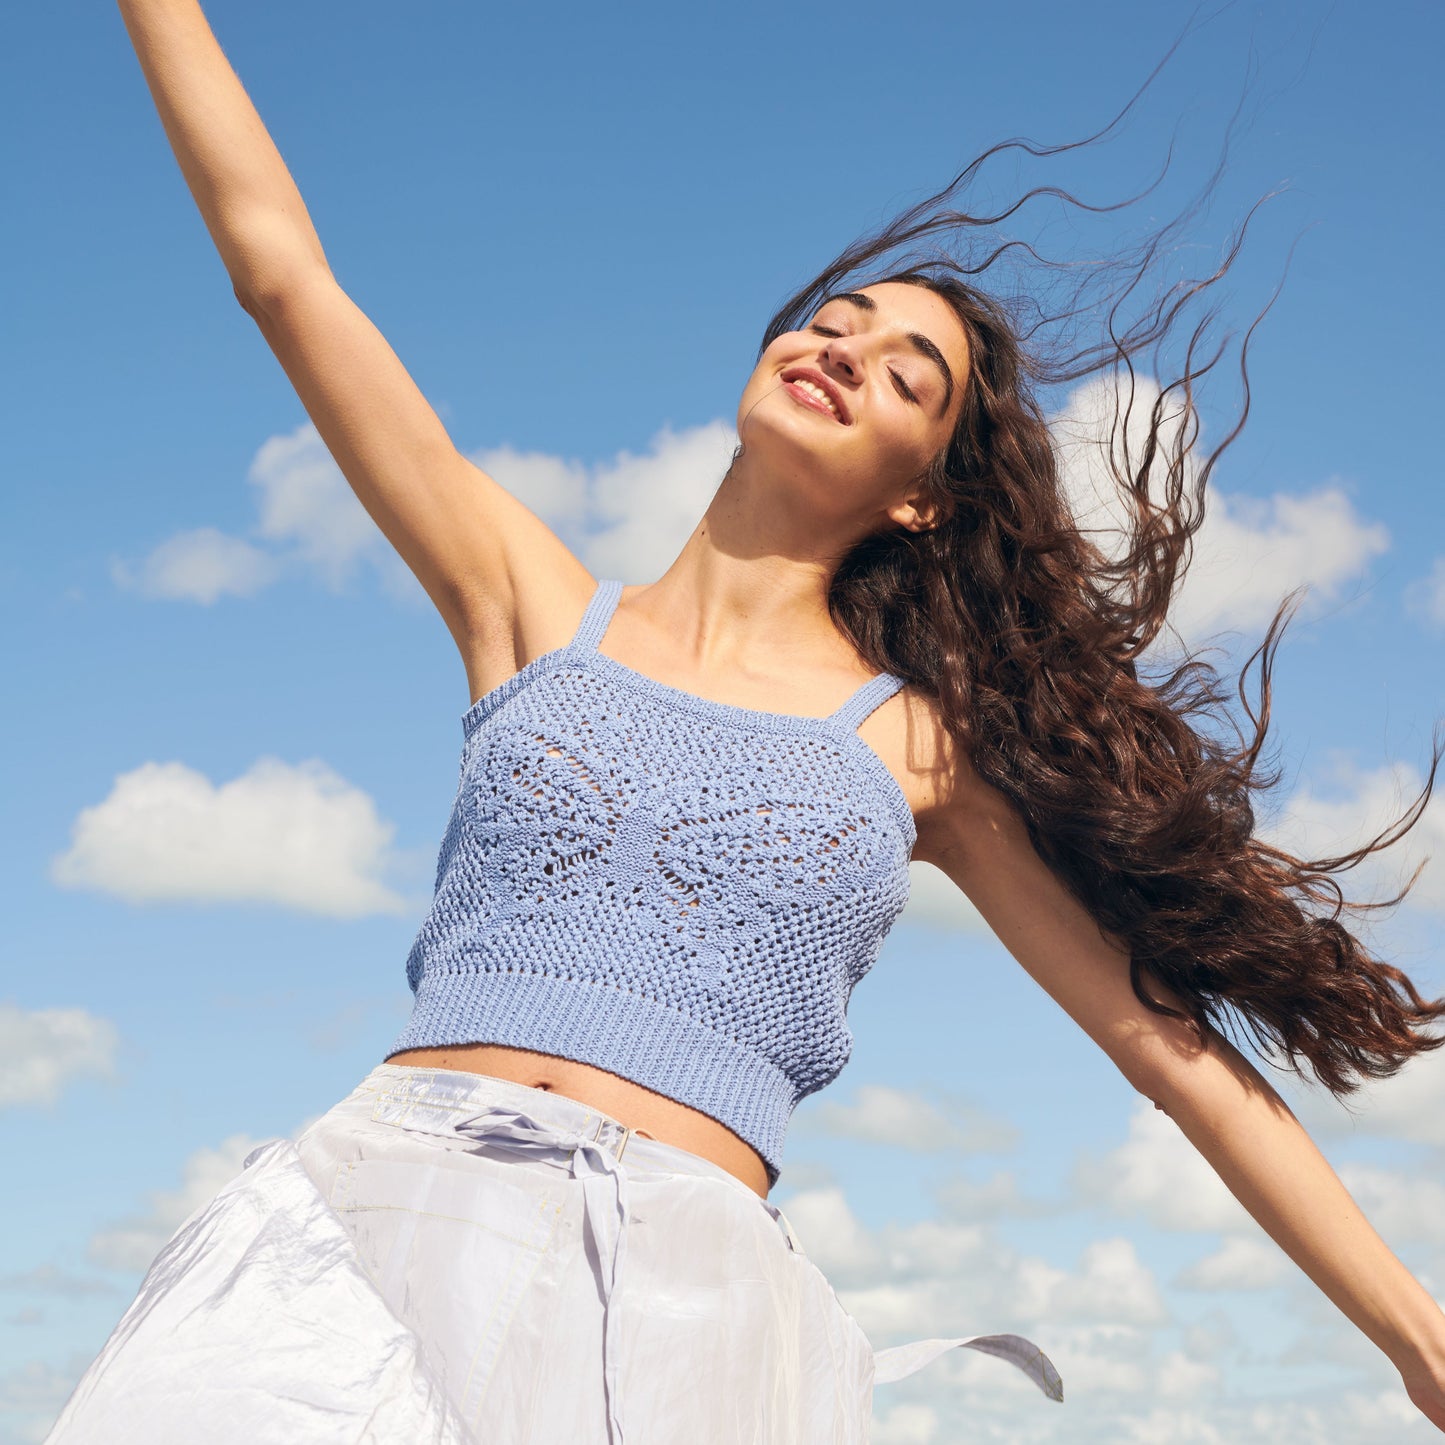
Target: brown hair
1136	791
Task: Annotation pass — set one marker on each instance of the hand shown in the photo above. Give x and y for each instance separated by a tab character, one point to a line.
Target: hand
1425	1385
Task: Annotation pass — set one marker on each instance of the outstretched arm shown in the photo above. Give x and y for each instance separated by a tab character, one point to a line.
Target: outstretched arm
494	570
1224	1106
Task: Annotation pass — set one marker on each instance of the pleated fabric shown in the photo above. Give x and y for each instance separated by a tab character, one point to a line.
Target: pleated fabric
445	1258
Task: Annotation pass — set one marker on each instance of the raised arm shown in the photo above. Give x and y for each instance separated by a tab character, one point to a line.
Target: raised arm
506	586
1224	1106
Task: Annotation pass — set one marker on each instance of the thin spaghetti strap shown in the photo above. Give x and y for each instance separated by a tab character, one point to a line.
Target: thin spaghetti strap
873	693
597	616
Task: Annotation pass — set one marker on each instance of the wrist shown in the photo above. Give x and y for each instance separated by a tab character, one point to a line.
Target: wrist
1418	1343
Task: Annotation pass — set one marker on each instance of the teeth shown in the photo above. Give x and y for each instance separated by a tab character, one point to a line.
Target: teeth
814	390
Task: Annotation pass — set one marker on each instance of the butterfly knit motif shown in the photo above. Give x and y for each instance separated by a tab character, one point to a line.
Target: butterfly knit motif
675	890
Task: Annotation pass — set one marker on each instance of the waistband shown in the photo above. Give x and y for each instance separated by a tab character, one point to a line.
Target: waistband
433	1100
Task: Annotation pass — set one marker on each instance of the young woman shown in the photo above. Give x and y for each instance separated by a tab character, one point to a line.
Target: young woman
682	832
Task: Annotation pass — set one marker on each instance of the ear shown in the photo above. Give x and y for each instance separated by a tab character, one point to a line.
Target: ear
916	513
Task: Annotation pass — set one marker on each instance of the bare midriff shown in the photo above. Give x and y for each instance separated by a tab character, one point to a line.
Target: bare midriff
644	1112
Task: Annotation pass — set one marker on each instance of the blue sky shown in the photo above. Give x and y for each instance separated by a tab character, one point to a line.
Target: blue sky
572	223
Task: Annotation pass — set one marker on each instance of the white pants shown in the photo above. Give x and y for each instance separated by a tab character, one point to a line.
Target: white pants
447	1257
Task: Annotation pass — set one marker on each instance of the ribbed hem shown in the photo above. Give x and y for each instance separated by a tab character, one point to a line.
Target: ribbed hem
611	1029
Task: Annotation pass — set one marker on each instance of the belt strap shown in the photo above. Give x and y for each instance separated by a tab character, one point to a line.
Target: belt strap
904	1360
595	1162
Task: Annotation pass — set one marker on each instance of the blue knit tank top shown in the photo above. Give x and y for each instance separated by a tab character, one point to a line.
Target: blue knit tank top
675	890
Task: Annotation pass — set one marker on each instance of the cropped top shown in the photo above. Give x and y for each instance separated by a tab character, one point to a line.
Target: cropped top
678	891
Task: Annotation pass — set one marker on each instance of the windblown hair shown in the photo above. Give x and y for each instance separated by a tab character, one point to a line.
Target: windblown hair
1028	634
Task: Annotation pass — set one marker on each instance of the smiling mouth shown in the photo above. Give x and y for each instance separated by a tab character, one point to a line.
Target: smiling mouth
810	393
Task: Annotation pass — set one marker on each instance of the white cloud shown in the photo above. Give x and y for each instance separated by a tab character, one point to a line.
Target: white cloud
308	506
42	1050
997	1197
832	1235
1140	1364
937	1277
881	1114
200	566
1411	1106
1347	808
1425	597
1239	1263
132	1243
1112	1283
48	1279
625	517
936	901
905	1425
629	516
1180	1377
1401	1206
1159	1174
297	836
646	506
551	486
1249	552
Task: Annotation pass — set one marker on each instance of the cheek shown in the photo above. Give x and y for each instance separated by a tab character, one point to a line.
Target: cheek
905	446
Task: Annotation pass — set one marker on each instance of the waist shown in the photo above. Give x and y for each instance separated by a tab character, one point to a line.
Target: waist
647	1113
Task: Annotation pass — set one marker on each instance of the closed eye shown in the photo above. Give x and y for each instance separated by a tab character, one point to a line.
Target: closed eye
903	387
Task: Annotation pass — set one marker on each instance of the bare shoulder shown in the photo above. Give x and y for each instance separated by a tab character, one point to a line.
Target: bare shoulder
951	804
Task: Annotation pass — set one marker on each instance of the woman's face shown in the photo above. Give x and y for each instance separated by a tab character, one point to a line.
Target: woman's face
858	403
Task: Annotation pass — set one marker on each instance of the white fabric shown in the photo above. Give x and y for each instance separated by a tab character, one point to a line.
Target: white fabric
451	1259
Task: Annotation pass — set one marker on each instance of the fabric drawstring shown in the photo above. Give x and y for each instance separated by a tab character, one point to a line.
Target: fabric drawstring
604	1205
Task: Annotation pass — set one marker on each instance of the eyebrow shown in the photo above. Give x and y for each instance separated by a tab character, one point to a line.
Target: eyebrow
916	339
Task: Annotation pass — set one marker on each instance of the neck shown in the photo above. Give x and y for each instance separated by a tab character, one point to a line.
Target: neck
752	578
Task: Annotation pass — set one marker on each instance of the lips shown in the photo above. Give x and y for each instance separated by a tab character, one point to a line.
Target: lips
804	382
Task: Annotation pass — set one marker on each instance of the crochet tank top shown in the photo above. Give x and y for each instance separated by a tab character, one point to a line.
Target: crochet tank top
675	890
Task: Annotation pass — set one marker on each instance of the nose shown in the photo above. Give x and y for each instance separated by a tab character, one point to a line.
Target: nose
841	355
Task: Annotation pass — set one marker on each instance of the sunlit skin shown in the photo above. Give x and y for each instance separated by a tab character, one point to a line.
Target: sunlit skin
837	482
741	617
807	487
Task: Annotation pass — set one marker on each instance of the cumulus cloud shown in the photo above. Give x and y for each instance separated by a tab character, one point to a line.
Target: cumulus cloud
48	1279
880	1114
1425	597
997	1197
297	836
626	516
905	1425
133	1242
308	523
1140	1364
1239	1263
307	506
36	1390
1347	807
42	1050
1402	1206
943	1277
199	566
1158	1173
1250	551
1411	1106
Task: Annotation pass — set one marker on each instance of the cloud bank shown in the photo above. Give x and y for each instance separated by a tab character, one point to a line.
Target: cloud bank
43	1050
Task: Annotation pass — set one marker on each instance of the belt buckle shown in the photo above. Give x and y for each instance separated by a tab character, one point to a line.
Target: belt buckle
606	1125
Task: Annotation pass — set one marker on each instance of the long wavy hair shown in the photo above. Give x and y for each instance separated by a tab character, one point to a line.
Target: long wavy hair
1028	633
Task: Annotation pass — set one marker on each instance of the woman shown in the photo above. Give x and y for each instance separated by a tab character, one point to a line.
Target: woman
682	832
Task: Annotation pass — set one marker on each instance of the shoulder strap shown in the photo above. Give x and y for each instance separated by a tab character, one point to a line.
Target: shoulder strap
872	694
597	616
